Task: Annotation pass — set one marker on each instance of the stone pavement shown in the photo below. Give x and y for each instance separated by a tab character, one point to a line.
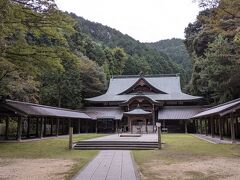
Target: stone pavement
109	165
116	137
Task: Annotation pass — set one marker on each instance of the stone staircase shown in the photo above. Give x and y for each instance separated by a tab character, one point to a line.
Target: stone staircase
115	145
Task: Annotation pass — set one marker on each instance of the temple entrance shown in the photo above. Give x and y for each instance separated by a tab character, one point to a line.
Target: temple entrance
138	126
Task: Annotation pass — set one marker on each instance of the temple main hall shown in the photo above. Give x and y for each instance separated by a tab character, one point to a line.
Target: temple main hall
134	103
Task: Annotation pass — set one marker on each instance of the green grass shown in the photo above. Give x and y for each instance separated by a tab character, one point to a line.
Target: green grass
182	148
51	148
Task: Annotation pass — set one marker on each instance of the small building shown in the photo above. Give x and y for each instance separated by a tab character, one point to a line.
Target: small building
134	103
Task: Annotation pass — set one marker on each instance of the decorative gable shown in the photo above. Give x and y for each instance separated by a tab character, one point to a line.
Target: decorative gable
142	86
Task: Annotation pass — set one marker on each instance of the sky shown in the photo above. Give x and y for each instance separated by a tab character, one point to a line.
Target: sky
144	20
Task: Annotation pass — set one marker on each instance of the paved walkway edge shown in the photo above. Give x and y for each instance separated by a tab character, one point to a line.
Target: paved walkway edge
84	167
136	170
110	165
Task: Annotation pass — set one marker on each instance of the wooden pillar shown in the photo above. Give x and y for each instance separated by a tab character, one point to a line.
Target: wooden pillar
57	127
146	128
6	127
131	126
196	125
45	127
69	124
206	127
159	137
153	119
78	126
233	138
28	127
70	132
41	127
216	126
86	126
237	127
186	128
51	126
96	126
201	126
220	128
19	129
37	134
212	127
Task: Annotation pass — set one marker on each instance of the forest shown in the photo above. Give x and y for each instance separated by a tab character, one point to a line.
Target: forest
57	58
213	42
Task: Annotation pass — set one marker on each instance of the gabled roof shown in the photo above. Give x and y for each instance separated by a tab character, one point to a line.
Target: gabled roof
221	109
168	83
146	82
178	112
104	112
30	109
138	111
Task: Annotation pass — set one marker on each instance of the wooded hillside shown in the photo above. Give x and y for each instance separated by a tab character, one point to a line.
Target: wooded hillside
54	58
213	42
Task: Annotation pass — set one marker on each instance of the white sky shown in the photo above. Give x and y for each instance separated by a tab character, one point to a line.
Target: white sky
144	20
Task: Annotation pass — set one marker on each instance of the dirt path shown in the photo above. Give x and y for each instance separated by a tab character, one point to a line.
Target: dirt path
214	168
34	169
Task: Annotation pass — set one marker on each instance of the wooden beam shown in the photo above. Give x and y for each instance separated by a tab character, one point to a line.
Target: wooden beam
19	129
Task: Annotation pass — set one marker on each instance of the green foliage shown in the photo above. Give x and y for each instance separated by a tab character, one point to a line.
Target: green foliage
141	57
37	64
213	42
176	50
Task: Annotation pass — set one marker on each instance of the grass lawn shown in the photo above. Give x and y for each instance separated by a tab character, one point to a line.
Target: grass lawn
186	155
56	148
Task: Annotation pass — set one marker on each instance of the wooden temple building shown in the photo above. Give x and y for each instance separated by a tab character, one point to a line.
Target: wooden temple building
142	100
133	104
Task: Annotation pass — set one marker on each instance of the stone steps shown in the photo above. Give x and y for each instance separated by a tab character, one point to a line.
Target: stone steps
115	145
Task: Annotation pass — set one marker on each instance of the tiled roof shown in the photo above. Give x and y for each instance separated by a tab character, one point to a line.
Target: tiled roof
138	111
221	109
30	109
178	112
169	84
104	112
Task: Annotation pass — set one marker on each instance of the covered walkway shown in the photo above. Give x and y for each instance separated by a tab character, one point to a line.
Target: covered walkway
28	120
222	121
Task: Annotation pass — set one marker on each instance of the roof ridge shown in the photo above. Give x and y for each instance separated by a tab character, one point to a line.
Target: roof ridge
226	103
140	75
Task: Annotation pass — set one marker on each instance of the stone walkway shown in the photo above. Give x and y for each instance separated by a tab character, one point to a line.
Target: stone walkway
216	139
116	137
109	165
